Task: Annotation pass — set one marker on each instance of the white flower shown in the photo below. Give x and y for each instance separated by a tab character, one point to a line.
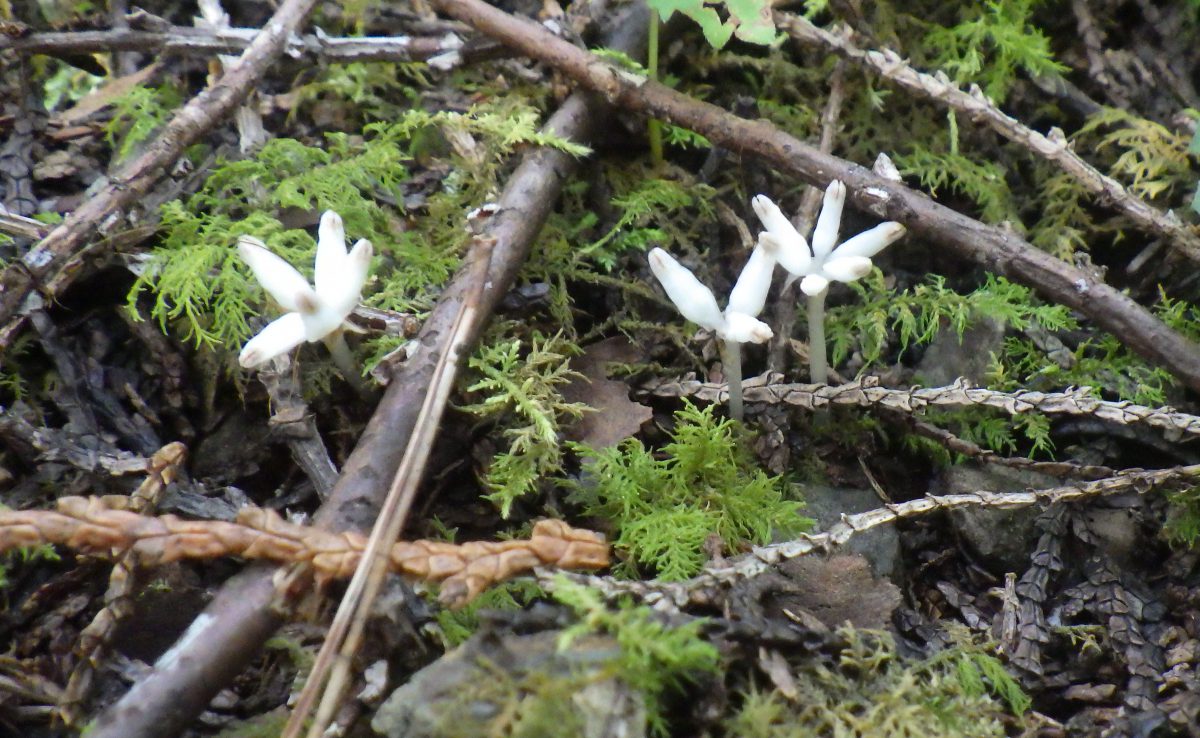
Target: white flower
314	314
823	263
696	302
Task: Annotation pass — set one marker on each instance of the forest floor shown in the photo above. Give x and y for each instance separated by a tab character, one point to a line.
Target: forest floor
983	523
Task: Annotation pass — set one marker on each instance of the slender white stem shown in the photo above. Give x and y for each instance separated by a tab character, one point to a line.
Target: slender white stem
731	357
343	359
818	366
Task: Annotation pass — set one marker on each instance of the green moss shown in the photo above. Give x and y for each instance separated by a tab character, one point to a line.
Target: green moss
872	692
664	507
656	659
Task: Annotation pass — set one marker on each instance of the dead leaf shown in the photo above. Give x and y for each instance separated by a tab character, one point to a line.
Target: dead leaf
616	417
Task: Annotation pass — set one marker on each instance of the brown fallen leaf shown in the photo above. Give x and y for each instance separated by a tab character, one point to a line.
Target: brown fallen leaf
616	417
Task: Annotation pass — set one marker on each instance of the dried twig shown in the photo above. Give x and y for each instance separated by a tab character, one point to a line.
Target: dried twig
866	393
977	107
702	588
247	609
53	263
99	525
972	450
995	249
184	40
118	599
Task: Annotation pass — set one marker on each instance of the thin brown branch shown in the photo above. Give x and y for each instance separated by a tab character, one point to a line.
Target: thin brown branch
53	263
183	40
866	393
997	250
704	588
98	525
249	608
977	107
958	445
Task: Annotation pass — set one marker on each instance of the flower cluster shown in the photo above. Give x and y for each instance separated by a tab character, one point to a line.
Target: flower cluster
822	264
315	312
816	266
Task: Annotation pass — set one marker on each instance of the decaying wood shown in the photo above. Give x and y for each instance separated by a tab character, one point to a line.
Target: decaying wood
997	250
54	262
161	470
703	588
249	608
977	107
867	393
99	525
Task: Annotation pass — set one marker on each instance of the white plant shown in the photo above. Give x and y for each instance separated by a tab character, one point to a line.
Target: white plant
823	263
738	323
316	312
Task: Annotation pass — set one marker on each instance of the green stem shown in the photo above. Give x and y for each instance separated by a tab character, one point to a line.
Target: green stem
654	127
731	357
818	365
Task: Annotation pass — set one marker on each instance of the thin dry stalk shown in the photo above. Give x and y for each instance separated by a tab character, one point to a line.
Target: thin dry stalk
345	633
977	107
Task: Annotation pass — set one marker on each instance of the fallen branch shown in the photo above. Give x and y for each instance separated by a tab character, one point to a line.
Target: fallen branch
704	588
248	608
976	106
866	393
184	40
53	263
95	525
994	249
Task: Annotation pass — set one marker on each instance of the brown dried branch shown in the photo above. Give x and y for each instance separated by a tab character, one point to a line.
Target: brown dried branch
98	525
184	40
704	588
53	263
958	445
118	599
995	249
866	393
977	107
248	608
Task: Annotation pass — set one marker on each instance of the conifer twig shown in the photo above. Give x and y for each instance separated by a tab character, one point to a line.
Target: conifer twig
161	470
976	106
866	393
54	262
104	525
704	588
995	249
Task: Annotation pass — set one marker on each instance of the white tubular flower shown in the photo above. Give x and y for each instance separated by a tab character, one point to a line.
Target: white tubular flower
314	314
823	263
696	302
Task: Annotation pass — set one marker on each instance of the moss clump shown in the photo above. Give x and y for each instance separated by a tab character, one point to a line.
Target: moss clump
873	692
705	483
